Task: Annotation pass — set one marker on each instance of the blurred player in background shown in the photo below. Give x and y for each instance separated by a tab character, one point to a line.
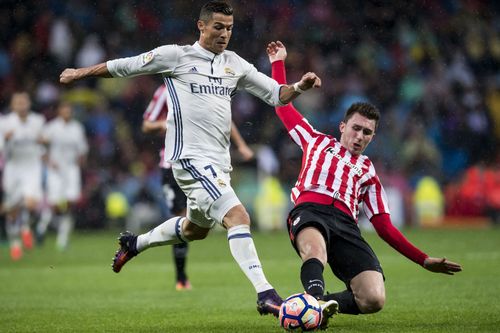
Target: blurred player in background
22	175
201	80
2	212
67	148
155	122
335	178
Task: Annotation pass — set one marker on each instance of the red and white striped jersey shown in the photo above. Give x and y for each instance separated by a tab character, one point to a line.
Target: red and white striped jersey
329	169
157	110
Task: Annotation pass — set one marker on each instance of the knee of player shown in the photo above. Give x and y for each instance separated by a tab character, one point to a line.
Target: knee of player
371	302
313	250
311	244
236	216
193	235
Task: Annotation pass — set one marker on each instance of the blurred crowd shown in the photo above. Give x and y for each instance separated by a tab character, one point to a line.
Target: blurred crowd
431	67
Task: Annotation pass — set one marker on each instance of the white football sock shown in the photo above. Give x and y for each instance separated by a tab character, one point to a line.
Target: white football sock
63	231
44	222
167	233
245	254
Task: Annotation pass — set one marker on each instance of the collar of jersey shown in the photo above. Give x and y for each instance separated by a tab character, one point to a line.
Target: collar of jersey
205	52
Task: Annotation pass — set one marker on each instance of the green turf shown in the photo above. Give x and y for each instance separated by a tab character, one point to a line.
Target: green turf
76	291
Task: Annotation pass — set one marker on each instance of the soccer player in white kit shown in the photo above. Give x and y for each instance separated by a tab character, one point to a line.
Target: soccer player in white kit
67	147
201	80
22	174
154	122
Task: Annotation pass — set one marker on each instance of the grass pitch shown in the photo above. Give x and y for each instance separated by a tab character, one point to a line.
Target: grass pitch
76	291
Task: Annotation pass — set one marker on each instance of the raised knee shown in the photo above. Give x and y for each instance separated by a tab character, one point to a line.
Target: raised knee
371	303
193	235
201	236
193	232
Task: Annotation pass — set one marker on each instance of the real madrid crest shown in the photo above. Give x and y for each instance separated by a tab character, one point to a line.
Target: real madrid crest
221	183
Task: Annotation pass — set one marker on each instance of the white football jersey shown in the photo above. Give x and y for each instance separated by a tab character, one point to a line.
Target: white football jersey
66	140
200	85
23	146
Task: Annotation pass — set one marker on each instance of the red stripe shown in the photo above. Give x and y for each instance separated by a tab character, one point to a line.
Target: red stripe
159	100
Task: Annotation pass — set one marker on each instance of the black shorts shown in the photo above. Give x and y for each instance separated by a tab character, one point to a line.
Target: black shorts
348	253
176	199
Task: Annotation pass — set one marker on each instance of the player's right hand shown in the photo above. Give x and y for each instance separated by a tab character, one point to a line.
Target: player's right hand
68	75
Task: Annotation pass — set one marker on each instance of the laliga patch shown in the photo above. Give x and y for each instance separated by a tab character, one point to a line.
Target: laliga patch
221	183
147	58
228	70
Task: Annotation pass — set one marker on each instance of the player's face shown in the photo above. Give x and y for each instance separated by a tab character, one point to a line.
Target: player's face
357	133
65	112
20	104
215	34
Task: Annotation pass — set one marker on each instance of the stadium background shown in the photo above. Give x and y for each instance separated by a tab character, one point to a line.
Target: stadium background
432	67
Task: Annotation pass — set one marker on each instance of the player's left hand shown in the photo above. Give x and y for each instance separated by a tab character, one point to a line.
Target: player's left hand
442	265
246	152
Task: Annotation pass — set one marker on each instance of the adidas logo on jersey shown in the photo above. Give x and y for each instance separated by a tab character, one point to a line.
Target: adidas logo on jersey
193	70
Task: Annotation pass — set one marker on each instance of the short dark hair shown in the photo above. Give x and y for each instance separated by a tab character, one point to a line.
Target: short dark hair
215	6
367	110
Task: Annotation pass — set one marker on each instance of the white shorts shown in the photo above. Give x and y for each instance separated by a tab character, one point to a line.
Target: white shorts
208	191
63	184
21	181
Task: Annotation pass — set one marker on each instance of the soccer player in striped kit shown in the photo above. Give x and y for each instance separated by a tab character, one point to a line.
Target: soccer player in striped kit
335	178
201	80
154	121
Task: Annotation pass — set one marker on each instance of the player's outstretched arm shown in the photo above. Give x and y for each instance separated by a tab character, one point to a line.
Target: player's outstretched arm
441	265
72	74
158	126
277	51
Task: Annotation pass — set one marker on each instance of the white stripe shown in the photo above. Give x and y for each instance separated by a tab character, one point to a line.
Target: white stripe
316	155
339	171
296	138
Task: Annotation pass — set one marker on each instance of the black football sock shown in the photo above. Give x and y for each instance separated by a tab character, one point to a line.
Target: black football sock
346	301
311	275
180	252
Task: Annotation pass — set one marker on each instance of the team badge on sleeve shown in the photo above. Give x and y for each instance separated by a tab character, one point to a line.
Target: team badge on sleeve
147	58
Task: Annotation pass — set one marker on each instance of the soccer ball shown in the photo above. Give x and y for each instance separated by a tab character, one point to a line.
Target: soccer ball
300	312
